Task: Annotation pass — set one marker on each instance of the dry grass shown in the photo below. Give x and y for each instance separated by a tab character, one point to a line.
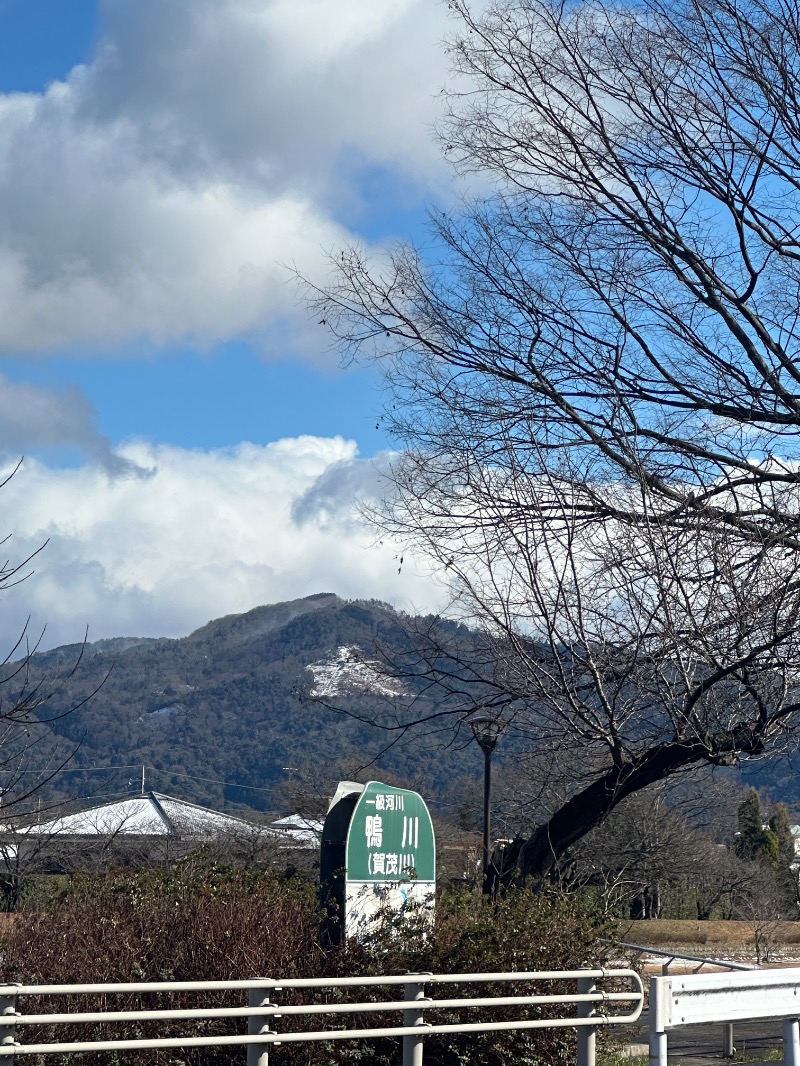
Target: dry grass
667	933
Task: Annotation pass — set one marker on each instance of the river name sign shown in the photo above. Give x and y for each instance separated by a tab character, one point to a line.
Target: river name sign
390	859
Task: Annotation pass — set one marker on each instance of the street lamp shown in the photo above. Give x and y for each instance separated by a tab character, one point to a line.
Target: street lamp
487	728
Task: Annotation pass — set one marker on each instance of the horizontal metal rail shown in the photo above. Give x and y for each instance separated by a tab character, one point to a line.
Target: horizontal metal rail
316	1008
276	984
297	1038
594	1007
671	956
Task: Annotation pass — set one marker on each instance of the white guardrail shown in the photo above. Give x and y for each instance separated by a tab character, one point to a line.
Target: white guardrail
593	1006
699	998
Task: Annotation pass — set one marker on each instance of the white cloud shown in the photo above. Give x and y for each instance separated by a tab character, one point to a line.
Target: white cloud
206	534
158	191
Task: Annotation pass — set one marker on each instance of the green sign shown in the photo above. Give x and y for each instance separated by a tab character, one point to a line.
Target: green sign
390	838
390	859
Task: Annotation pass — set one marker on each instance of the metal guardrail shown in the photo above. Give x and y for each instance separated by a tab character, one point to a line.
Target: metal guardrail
697	999
728	1049
594	1006
671	956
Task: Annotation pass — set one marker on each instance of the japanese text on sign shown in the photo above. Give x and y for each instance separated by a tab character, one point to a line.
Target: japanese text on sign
387	801
373	827
390	862
390	837
410	832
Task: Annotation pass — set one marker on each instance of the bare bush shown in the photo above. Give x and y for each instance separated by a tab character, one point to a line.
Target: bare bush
231	925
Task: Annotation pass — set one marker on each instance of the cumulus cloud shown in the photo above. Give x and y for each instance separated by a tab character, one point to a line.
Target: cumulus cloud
207	534
158	191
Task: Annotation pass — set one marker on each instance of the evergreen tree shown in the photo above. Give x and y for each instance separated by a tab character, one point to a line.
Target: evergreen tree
756	841
786	870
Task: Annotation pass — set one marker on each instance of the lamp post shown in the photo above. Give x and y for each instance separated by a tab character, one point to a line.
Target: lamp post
487	728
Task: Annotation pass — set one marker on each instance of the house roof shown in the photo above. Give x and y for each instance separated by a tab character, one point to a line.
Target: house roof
152	814
298	830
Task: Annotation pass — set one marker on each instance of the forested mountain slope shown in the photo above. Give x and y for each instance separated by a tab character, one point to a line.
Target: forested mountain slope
226	704
229	703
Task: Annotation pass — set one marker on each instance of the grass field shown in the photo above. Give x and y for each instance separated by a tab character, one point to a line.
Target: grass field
667	933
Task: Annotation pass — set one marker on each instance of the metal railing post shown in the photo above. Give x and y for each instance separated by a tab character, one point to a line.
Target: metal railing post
658	1049
258	1054
8	1009
412	1044
728	1050
660	990
586	1033
791	1042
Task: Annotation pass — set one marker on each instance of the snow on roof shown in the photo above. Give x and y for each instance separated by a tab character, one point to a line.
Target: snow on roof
149	815
305	832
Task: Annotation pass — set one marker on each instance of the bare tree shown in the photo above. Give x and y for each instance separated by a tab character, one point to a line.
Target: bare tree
597	385
625	295
761	901
30	753
646	851
625	654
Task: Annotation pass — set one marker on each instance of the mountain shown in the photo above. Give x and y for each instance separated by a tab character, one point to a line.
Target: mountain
235	702
231	702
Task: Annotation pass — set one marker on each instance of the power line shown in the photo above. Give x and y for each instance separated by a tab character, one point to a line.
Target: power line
74	769
213	780
137	766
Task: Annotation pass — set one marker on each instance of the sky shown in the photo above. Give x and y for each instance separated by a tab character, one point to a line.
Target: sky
192	446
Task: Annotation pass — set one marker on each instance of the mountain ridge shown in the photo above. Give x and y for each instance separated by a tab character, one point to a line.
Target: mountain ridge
229	702
226	718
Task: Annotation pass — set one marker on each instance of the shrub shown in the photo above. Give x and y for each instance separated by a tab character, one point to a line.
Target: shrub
221	924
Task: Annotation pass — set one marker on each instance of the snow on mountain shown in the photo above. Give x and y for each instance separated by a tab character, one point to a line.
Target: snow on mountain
350	671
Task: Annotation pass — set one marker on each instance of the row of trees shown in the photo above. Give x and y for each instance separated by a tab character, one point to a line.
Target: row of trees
593	375
652	859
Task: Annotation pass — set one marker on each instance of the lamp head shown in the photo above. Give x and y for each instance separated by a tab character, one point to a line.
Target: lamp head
487	728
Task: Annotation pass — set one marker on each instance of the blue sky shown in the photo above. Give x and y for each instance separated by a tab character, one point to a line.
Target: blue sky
42	40
160	164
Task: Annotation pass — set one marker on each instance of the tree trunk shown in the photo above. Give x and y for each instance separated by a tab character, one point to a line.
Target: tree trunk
586	810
